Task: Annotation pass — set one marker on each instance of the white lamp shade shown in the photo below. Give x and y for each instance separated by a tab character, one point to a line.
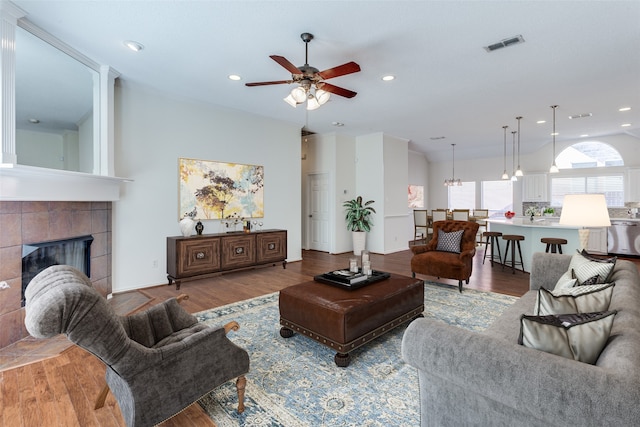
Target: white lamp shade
554	168
312	103
585	210
289	100
299	94
322	96
519	172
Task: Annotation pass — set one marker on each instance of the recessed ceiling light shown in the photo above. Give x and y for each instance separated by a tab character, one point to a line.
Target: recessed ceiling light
388	78
234	77
626	125
555	134
338	124
580	116
133	45
624	109
541	122
584	135
34	121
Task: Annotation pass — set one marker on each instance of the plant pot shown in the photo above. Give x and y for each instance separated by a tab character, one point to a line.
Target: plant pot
359	241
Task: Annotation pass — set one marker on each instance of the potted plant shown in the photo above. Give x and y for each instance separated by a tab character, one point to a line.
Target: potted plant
549	211
358	217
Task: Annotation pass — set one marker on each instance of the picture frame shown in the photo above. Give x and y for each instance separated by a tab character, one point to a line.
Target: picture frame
211	189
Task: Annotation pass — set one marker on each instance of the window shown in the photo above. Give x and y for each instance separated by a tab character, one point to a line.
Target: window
588	154
463	196
497	196
612	186
416	196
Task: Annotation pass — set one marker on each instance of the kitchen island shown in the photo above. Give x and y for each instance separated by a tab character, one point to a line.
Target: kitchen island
533	231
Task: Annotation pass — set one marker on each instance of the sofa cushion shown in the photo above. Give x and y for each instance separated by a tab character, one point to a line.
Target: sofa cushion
578	336
583	269
582	299
449	242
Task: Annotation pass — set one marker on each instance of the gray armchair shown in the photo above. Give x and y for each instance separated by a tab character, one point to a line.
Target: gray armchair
158	362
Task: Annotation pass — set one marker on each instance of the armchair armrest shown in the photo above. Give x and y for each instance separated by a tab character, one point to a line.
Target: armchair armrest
540	385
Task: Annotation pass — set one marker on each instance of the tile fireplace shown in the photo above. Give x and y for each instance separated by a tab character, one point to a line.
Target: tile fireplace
25	223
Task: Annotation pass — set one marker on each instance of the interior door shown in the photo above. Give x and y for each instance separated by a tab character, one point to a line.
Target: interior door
318	212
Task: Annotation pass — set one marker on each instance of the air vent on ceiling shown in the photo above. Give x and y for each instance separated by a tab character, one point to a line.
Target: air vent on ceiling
435	138
579	116
504	43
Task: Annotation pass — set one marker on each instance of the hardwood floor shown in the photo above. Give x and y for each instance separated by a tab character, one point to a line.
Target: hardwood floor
61	389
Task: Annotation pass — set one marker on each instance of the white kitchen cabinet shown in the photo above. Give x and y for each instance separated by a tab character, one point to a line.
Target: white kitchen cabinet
534	188
632	190
597	241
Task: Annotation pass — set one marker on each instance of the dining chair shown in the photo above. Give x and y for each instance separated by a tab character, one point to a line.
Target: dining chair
460	214
420	224
436	215
480	216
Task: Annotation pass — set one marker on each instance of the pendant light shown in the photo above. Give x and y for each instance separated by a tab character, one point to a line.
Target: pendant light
505	175
453	181
513	155
519	171
554	168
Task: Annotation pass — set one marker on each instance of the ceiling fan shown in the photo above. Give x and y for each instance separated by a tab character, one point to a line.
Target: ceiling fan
309	77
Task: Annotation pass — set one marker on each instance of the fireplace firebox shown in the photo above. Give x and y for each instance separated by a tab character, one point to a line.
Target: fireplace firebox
36	257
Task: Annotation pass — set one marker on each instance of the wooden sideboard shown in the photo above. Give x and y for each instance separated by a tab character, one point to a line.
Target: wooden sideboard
196	257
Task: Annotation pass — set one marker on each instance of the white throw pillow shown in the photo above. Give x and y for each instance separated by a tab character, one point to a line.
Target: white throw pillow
580	336
583	269
580	299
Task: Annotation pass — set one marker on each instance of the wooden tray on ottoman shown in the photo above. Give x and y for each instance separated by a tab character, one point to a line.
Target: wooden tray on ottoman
345	320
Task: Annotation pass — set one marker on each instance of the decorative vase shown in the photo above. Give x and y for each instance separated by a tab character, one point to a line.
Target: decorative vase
359	241
186	226
531	218
199	228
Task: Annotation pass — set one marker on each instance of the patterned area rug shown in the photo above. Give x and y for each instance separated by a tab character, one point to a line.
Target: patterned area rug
295	382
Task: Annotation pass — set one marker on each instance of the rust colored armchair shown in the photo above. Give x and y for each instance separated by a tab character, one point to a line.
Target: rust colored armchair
431	260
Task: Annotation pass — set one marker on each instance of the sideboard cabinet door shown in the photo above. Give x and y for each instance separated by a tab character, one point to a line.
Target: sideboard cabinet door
272	247
238	251
198	256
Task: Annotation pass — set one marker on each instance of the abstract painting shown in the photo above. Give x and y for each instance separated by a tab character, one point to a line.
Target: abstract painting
218	190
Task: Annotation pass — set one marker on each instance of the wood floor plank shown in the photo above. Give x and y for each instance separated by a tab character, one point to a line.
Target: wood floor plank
62	398
12	415
32	416
44	394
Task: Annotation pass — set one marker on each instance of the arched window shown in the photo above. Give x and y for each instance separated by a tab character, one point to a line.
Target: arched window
589	154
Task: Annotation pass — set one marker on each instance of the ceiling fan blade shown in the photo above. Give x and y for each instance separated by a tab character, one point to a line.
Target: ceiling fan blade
286	64
338	90
279	82
340	70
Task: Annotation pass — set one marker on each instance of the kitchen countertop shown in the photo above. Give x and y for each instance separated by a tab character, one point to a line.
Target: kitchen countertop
539	221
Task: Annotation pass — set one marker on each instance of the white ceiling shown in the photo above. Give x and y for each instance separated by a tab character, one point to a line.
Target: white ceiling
581	55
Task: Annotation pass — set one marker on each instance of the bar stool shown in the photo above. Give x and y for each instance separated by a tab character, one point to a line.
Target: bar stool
553	244
493	237
513	239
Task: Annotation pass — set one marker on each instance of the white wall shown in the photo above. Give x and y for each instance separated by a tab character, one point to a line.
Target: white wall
152	133
418	171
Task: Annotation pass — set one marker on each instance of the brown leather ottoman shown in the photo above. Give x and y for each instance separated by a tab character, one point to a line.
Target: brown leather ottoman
345	319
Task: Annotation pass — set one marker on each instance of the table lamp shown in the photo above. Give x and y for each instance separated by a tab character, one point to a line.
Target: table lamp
584	210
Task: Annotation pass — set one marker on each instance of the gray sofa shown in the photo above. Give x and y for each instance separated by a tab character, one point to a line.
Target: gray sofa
487	379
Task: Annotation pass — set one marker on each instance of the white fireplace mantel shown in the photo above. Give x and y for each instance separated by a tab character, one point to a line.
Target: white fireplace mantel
29	183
